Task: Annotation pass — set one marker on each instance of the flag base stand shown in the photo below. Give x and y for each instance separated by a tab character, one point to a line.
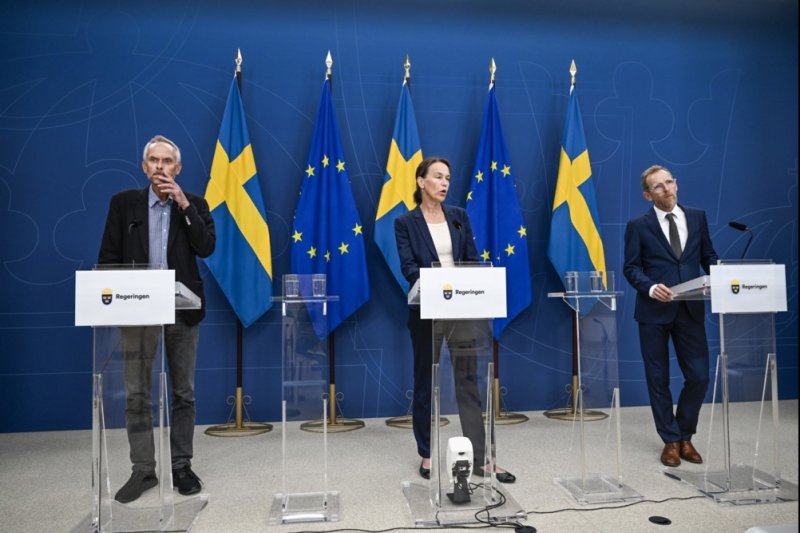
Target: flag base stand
232	429
505	418
569	413
339	425
334	423
406	421
402	422
237	427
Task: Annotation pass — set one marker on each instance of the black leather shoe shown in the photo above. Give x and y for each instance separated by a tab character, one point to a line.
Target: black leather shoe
424	472
186	481
138	483
502	477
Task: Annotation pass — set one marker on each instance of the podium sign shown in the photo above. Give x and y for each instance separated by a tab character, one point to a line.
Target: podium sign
745	296
460	292
127	308
748	288
460	302
124	297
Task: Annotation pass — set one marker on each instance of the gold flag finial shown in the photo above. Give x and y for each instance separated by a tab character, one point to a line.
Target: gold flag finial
492	70
572	71
238	60
329	64
407	66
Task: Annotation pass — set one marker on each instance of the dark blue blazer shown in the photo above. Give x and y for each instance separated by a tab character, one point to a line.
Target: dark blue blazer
649	259
415	244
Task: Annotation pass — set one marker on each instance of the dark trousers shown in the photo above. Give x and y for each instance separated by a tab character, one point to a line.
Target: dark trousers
140	345
691	349
461	339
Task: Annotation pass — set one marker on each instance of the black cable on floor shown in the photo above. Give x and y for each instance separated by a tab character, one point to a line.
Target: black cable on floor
631	504
506	525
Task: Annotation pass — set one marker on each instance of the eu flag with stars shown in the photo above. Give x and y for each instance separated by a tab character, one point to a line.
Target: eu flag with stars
495	215
242	260
397	194
327	237
575	242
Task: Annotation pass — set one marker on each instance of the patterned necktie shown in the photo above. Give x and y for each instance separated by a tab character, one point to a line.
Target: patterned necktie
674	238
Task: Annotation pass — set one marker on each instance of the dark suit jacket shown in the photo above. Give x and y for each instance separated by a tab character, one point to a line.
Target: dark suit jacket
649	259
191	234
415	244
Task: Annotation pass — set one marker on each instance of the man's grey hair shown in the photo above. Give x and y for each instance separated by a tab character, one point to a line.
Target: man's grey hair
162	139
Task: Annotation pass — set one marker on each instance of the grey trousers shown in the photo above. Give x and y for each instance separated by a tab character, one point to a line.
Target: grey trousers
140	345
465	341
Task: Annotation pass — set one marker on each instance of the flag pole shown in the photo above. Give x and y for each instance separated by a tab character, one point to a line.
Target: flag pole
238	427
406	421
500	417
570	411
335	424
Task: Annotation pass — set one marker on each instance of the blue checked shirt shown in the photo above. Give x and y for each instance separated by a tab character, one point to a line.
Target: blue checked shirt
158	234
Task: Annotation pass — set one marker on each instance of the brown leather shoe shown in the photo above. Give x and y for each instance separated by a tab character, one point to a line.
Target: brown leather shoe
670	456
689	453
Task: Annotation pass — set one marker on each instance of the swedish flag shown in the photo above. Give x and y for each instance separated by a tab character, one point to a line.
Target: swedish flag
575	241
397	194
327	236
493	206
242	260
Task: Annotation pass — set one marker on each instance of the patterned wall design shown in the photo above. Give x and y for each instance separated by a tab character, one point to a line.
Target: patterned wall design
705	87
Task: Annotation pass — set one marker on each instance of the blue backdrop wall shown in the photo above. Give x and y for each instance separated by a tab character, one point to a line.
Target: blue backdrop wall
705	87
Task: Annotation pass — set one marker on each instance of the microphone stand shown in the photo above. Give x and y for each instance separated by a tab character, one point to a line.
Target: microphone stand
749	241
742	227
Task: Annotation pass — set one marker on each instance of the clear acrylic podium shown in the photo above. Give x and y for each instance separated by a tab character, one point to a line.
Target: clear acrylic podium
132	354
304	398
461	388
741	462
596	471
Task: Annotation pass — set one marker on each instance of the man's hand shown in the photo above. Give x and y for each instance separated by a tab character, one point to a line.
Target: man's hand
168	186
662	293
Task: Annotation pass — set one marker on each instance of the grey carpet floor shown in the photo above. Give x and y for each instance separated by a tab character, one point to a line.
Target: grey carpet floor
45	477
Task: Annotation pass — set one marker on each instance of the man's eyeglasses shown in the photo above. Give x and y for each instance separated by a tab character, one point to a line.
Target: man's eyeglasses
661	187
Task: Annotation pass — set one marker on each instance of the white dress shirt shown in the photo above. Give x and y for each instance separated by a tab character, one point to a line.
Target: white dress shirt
440	233
680	222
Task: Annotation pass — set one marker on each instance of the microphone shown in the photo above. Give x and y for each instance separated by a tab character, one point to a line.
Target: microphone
132	225
457	225
739	226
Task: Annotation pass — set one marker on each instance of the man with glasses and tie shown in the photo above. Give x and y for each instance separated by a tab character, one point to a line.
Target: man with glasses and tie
666	246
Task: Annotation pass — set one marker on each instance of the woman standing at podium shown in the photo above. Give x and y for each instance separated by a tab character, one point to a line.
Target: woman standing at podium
438	233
